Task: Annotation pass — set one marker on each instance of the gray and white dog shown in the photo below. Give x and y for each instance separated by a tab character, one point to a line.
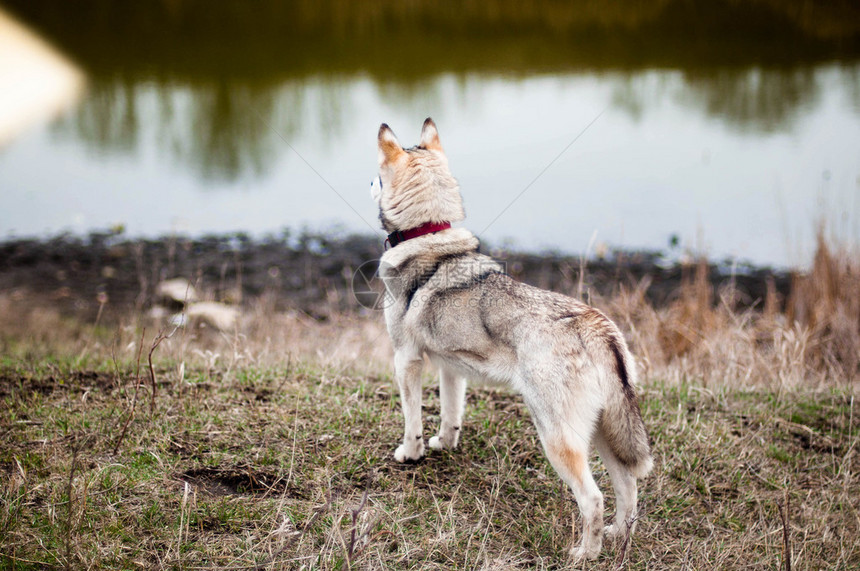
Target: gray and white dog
458	307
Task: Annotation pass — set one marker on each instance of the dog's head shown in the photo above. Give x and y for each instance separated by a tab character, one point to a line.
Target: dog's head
415	185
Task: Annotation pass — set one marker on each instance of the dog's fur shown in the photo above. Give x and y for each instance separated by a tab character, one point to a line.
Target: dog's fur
460	309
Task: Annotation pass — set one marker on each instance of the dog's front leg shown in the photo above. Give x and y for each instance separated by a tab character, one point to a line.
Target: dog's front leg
452	394
407	371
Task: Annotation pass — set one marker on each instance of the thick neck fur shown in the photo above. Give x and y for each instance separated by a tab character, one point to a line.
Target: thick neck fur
420	189
451	242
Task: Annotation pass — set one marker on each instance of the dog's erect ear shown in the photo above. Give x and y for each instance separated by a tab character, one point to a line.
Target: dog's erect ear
389	149
430	136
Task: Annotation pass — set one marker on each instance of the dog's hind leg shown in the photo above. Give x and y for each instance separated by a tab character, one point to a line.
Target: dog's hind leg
452	394
407	370
567	447
624	484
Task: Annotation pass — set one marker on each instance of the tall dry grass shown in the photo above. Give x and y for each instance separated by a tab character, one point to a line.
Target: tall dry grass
812	338
703	334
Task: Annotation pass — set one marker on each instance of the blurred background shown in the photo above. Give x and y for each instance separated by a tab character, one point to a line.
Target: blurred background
724	127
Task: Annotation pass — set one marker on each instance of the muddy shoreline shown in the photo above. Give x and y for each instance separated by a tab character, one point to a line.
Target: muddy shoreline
311	273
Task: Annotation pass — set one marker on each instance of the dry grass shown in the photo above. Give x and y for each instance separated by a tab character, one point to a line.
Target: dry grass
289	468
270	447
810	340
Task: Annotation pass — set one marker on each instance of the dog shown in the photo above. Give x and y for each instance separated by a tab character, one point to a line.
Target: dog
458	307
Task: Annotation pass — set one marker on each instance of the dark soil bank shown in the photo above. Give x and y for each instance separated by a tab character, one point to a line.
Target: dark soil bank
308	272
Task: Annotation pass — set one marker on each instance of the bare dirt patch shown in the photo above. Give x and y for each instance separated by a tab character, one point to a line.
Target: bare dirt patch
77	381
307	272
239	481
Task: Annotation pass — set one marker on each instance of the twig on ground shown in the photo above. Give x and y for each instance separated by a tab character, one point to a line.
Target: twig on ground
133	398
15	559
686	563
350	552
184	521
625	544
786	544
102	299
155	343
70	509
295	437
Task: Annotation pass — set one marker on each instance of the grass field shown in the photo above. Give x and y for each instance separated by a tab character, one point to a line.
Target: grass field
289	468
270	447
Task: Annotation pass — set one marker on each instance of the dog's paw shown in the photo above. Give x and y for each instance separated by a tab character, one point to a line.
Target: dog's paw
445	440
411	454
611	532
436	443
581	553
617	532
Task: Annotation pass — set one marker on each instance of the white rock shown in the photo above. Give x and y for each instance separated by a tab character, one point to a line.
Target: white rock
222	316
177	289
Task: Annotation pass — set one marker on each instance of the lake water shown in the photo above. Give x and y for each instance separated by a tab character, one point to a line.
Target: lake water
580	138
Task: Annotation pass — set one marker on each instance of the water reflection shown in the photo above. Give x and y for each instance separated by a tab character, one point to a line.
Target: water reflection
223	82
731	125
221	131
766	100
228	131
752	100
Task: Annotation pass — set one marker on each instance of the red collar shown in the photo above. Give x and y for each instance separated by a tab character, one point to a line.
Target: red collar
399	236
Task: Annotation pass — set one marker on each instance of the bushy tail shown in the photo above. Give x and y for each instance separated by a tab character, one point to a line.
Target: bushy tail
621	421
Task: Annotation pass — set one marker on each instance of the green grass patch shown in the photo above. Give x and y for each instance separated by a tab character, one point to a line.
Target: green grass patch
259	468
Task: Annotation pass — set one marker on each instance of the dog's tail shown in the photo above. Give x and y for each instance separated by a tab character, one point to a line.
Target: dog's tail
621	422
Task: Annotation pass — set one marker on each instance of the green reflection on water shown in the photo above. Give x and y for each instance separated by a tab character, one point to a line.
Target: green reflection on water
229	76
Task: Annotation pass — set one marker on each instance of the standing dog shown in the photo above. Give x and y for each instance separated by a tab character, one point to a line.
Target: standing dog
460	309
